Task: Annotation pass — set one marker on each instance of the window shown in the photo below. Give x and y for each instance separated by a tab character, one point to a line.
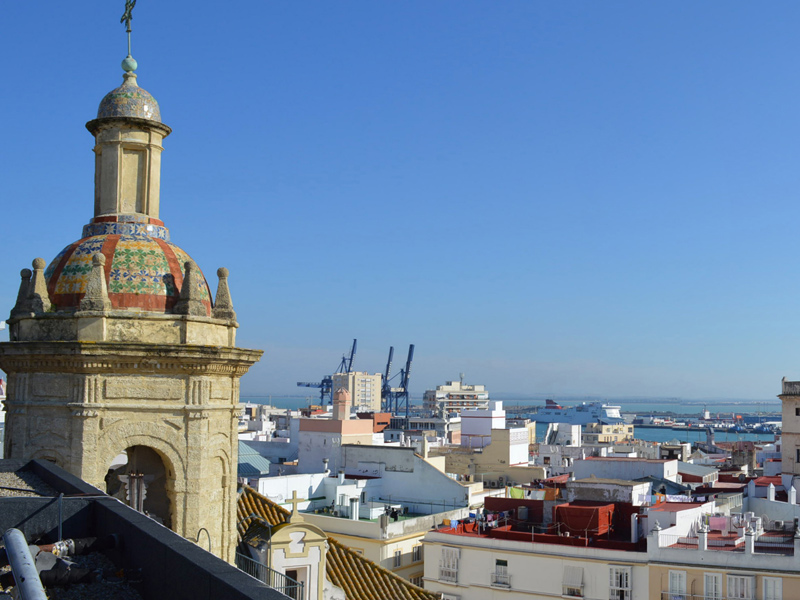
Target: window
500	577
773	588
416	581
712	586
398	558
677	585
416	553
740	587
448	564
572	582
619	585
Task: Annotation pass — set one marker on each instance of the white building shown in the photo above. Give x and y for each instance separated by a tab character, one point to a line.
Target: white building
455	396
477	425
626	468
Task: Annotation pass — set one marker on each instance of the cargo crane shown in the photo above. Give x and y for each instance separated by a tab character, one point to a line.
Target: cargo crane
395	399
326	385
386	389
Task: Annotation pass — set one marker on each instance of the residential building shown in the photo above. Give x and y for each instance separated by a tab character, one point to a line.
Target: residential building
625	468
290	544
364	389
607	433
455	396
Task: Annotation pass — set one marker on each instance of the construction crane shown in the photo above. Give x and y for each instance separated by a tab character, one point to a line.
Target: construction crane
326	385
396	398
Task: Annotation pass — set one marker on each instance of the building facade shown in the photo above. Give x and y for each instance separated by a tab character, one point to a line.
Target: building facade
364	389
455	396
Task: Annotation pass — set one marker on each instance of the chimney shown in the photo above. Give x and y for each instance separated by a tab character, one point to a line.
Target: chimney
341	476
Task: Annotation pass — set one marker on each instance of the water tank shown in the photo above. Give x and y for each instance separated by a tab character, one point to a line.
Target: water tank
522	513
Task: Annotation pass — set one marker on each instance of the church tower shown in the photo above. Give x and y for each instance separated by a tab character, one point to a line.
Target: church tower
121	368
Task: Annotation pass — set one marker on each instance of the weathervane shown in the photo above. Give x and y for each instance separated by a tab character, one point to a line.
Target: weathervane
129	64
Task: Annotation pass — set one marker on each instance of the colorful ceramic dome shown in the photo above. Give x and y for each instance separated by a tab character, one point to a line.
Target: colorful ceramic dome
143	272
129	100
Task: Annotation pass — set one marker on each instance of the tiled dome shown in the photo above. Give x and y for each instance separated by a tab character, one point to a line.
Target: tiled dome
143	272
129	100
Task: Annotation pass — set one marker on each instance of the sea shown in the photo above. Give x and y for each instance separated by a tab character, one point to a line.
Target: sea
770	409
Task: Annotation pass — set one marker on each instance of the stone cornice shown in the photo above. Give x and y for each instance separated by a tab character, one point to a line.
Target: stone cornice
107	357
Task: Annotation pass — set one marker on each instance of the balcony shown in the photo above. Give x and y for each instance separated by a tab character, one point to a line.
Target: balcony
274	579
502	580
449	575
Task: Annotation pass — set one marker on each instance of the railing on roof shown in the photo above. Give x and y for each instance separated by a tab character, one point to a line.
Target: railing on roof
274	579
790	388
730	500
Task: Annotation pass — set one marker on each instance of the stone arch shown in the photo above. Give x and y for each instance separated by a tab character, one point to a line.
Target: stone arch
50	454
166	442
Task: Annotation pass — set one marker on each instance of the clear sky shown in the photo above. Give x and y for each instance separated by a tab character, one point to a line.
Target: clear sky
558	198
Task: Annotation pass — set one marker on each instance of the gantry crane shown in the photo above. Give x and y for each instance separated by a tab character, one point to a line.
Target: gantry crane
395	399
326	385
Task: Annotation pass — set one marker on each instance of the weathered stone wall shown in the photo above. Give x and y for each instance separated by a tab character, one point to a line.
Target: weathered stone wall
82	404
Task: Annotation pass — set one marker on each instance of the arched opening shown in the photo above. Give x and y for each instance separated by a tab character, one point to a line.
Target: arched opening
139	477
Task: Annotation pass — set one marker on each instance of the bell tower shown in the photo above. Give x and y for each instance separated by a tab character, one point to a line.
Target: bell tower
121	368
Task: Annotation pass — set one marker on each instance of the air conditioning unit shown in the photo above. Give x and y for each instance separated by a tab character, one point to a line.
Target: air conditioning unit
779	525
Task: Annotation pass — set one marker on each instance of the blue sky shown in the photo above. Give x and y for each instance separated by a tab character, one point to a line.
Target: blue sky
554	198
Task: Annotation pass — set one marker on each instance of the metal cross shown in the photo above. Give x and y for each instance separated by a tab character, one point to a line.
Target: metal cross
126	18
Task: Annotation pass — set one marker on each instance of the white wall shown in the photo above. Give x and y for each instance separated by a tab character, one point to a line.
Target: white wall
536	570
279	489
625	469
406	478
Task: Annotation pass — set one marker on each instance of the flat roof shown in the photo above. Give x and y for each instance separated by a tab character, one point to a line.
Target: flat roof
624	482
675	506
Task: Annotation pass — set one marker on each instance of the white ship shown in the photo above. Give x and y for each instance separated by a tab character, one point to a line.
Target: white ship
582	414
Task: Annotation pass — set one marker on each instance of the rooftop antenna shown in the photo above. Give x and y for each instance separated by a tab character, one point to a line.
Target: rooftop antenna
129	64
461	375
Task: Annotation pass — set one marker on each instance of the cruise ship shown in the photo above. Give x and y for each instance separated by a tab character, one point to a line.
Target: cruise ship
582	414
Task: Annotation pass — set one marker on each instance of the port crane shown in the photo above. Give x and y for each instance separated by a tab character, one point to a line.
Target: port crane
394	400
326	385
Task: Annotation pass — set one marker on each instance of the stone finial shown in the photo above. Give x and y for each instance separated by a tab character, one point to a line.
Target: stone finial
38	300
22	295
190	302
96	296
223	306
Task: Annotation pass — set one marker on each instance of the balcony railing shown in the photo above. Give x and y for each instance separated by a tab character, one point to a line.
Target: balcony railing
274	579
501	580
450	575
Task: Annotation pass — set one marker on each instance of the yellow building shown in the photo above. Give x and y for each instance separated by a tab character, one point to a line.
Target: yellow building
365	389
603	433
